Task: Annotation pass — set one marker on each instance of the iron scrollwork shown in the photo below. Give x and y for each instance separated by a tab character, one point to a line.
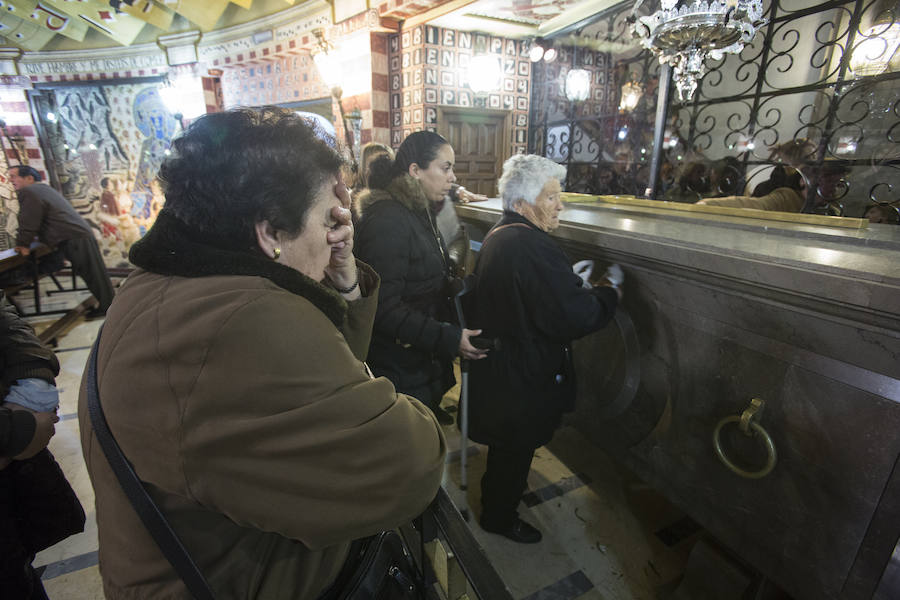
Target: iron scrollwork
793	104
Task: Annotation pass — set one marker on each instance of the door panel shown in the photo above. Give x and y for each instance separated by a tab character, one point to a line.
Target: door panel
480	139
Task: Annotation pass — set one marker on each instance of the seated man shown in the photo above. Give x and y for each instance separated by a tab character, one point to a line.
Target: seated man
44	213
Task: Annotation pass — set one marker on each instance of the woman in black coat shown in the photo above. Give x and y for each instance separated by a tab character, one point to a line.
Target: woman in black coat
414	340
527	296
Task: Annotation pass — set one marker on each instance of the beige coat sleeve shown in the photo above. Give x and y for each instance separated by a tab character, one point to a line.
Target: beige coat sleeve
287	433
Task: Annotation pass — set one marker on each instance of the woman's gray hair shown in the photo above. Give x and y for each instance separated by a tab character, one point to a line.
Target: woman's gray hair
524	176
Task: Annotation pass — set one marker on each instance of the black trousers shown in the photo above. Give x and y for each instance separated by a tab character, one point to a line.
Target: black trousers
503	483
84	254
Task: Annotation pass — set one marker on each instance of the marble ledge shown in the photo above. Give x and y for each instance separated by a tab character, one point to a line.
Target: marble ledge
871	254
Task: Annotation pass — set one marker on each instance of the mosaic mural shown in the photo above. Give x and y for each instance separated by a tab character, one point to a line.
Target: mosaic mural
429	68
106	144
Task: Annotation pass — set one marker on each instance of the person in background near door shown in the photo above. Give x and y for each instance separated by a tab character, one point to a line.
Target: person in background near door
414	341
527	295
461	195
46	215
369	153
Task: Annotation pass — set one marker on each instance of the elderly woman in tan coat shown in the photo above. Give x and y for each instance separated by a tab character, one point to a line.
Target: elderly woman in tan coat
231	372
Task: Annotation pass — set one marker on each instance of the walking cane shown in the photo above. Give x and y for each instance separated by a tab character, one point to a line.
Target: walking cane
466	286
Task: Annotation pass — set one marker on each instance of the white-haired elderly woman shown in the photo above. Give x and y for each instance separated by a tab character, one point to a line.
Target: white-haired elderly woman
527	296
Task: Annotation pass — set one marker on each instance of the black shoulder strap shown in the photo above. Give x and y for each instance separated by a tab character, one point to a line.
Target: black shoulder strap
502	227
143	504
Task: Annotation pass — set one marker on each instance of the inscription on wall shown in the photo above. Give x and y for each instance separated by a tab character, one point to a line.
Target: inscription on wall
429	67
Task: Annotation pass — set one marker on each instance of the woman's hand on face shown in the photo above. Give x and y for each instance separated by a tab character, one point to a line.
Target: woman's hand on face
466	349
341	269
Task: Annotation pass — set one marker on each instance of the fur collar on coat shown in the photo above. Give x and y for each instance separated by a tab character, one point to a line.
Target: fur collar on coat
404	189
172	248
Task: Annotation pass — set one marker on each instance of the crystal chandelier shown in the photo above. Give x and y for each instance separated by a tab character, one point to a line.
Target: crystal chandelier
685	33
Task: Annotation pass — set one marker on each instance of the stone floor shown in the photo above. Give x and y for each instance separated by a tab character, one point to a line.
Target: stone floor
606	535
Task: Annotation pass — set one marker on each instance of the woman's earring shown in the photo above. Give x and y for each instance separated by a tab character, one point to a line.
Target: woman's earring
277	253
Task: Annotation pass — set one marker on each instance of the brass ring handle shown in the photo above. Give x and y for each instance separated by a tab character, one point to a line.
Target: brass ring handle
757	430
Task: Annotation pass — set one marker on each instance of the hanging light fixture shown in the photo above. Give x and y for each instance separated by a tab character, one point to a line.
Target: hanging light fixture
631	94
684	34
877	44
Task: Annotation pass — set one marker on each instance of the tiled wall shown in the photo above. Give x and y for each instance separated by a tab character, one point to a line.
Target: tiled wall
429	68
292	78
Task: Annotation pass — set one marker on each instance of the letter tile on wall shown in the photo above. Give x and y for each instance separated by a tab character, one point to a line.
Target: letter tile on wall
440	78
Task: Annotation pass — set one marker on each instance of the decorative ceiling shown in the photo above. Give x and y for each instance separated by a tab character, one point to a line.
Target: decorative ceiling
521	18
50	25
65	25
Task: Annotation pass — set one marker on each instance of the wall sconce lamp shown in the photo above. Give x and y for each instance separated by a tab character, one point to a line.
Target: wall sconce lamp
578	85
327	63
16	142
353	128
542	50
877	44
182	96
631	94
484	73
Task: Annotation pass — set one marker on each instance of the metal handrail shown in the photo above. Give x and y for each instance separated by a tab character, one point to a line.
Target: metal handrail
444	522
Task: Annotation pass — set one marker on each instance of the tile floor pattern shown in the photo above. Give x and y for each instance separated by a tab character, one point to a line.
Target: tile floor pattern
606	536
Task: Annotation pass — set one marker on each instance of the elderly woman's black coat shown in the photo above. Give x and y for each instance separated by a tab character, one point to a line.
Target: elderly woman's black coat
528	297
414	340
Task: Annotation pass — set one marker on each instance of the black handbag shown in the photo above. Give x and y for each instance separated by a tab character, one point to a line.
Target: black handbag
46	508
379	567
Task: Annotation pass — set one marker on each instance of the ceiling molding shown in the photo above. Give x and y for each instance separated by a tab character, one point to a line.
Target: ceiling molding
486	24
275	21
143	56
434	13
583	11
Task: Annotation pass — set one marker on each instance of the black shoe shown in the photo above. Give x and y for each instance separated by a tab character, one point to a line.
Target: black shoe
520	532
94	313
442	416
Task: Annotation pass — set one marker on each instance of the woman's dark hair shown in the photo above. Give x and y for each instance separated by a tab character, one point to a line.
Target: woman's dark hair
231	170
420	148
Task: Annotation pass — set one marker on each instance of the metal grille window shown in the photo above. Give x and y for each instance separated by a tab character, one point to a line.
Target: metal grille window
813	103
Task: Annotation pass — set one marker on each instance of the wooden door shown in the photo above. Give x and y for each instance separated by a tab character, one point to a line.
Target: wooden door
480	139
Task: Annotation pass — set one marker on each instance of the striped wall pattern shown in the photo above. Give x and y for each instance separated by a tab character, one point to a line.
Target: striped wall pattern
15	111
